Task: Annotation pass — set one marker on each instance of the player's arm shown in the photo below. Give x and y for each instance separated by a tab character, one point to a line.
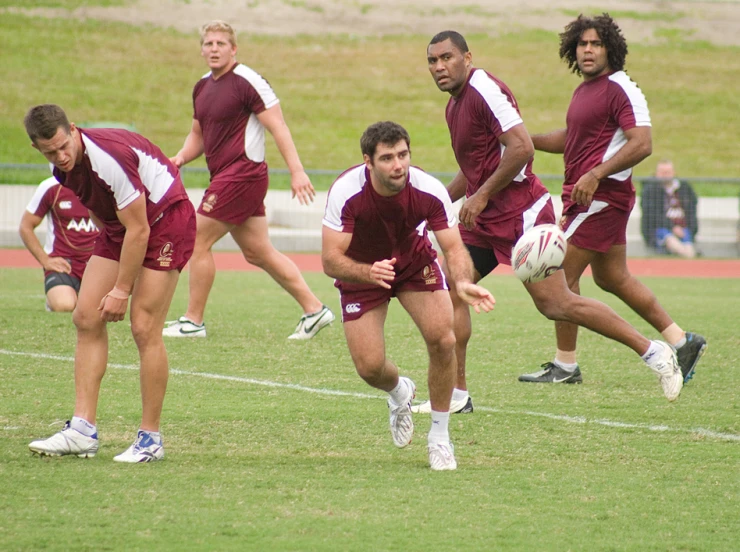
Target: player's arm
639	146
517	153
133	217
457	186
96	220
338	265
29	222
272	119
192	148
461	270
552	142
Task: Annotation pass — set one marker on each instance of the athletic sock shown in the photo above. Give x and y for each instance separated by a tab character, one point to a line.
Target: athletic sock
565	358
680	343
567	367
653	353
400	392
83	426
459	394
439	432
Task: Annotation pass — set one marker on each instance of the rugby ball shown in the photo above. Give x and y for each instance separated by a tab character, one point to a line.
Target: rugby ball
538	253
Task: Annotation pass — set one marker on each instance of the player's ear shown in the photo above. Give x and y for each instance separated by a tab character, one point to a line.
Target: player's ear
368	161
34	146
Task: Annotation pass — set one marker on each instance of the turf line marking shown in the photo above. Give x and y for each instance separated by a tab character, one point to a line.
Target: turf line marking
322	391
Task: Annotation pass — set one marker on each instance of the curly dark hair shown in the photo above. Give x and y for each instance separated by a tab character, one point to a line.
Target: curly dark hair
609	33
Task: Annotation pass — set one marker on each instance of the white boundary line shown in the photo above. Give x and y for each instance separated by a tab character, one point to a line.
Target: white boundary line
322	391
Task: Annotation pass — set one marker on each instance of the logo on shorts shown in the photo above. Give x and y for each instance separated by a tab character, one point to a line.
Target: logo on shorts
428	274
65	204
165	255
352	308
209	203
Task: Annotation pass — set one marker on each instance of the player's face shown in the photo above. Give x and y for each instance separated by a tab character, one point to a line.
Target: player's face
62	149
389	167
591	55
218	52
449	66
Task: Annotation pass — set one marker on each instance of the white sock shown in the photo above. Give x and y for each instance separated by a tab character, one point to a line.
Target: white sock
653	353
680	343
439	433
567	367
400	392
459	394
83	426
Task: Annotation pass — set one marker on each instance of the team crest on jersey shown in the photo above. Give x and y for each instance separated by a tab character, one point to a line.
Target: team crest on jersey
65	204
165	255
210	202
428	274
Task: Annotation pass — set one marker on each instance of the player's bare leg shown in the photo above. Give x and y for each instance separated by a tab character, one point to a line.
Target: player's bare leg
253	239
91	352
202	268
61	299
366	342
611	274
433	314
149	305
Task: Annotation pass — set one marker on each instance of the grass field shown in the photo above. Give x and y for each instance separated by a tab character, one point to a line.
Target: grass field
332	87
274	445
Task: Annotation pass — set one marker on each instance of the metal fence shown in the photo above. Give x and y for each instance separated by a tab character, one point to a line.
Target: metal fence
294	227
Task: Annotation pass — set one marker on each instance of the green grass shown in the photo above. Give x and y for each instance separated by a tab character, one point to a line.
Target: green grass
253	466
332	87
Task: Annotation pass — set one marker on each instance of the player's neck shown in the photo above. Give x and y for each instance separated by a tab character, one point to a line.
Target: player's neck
217	74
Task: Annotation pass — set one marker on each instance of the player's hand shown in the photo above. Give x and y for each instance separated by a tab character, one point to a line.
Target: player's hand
470	210
584	190
113	306
476	296
302	188
177	160
58	264
383	272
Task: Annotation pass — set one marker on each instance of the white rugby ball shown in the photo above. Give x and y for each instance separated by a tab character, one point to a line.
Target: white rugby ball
538	253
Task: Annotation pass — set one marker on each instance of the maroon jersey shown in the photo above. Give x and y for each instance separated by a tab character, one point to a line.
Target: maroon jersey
387	227
600	111
117	167
70	231
482	112
233	137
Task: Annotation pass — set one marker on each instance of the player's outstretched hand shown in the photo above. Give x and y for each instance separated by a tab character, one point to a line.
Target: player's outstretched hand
383	272
113	306
302	188
476	296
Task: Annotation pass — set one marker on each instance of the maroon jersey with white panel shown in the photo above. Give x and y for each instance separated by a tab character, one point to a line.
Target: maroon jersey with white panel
118	166
600	111
477	117
387	227
70	231
226	109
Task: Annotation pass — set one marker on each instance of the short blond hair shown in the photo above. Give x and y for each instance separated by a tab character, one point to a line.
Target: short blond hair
218	26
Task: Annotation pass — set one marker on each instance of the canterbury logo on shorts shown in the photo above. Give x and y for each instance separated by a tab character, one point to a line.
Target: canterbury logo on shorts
352	308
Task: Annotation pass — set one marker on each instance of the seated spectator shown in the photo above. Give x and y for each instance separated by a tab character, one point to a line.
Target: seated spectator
669	222
69	241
